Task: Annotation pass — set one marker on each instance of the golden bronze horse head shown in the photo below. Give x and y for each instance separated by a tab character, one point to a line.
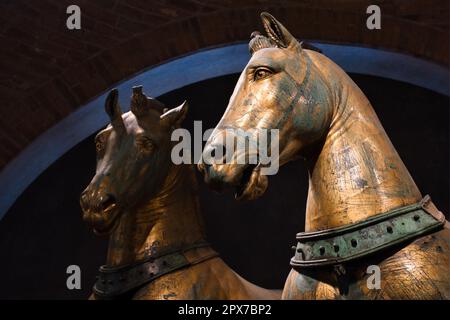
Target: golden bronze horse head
280	88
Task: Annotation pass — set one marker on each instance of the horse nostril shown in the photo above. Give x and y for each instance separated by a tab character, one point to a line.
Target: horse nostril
84	201
108	201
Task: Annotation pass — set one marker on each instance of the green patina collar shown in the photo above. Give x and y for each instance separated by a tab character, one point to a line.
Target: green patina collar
112	282
343	244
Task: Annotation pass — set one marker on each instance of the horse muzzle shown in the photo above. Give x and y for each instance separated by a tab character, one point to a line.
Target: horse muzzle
100	211
247	180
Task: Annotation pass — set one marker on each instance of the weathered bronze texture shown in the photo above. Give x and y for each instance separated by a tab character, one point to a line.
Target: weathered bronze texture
114	282
149	208
354	170
372	235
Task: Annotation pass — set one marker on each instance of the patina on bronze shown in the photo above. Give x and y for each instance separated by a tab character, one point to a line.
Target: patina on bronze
355	172
149	208
358	240
116	281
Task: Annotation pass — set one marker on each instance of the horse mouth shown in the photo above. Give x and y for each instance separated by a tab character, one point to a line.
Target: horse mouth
104	222
252	184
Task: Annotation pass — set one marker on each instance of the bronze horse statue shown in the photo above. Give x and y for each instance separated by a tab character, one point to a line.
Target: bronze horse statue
364	210
149	207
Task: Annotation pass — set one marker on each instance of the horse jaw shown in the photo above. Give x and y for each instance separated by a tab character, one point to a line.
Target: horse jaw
253	187
100	224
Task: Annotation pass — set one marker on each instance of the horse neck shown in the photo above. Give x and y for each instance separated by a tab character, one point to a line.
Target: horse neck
356	172
169	221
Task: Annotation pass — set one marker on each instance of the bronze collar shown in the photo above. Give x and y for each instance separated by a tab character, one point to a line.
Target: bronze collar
113	282
343	244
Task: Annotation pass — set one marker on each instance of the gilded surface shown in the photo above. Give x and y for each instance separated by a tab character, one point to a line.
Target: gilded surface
145	204
354	170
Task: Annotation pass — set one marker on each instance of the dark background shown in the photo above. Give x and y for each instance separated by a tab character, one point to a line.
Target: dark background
43	232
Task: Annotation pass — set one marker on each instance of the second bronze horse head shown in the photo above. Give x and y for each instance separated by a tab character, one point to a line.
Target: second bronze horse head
133	156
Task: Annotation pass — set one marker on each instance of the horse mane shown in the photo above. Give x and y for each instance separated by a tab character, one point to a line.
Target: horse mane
258	42
141	103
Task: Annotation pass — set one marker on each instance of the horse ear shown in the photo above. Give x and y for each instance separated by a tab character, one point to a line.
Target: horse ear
112	106
175	116
278	33
138	103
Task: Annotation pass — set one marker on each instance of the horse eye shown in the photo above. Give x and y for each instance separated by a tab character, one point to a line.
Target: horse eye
145	144
262	73
99	145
